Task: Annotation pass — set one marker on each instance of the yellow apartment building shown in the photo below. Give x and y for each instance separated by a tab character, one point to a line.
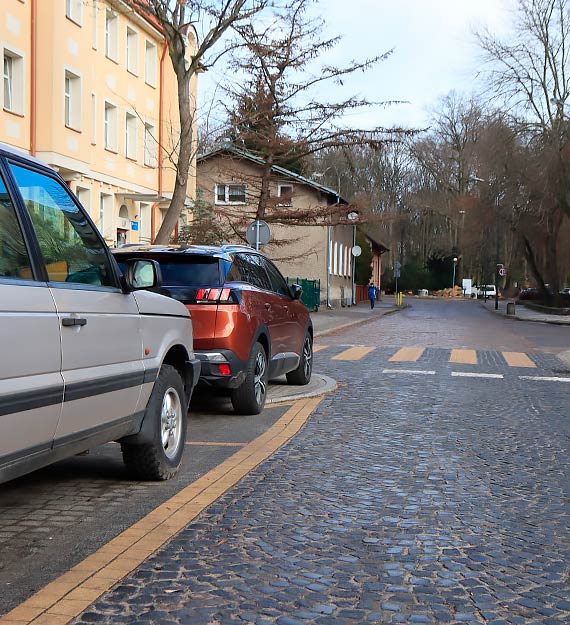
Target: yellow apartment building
88	87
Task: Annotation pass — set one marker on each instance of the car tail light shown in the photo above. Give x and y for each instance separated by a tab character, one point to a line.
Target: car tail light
216	295
224	369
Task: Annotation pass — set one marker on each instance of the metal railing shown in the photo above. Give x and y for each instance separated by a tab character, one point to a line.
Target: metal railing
311	295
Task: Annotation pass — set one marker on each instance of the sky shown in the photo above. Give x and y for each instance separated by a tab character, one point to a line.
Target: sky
434	53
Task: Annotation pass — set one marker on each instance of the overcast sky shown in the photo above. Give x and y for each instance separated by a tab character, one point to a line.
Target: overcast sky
434	51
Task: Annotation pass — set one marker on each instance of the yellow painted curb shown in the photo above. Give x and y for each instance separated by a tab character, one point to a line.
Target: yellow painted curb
71	594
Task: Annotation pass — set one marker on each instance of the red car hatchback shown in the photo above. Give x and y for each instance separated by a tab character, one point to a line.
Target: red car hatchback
249	325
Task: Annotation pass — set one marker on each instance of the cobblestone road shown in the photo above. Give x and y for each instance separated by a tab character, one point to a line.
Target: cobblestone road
406	499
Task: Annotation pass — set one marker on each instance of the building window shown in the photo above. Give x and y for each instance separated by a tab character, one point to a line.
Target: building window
230	194
93	118
285	191
150	63
335	259
94	23
13	82
72	96
110	124
131	136
73	10
111	34
149	145
132	50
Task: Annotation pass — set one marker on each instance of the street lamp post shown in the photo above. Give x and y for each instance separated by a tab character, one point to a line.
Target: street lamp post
453	281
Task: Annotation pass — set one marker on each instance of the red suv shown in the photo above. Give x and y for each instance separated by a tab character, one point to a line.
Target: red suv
249	325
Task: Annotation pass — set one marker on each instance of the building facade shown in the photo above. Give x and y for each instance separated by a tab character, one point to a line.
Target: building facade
229	179
89	88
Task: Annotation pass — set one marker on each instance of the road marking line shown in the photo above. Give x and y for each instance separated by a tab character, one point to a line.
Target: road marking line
470	374
214	444
543	379
69	595
463	356
407	354
413	371
318	348
518	359
354	353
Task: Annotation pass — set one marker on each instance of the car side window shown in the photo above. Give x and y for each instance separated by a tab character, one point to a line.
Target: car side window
72	251
278	283
250	270
14	259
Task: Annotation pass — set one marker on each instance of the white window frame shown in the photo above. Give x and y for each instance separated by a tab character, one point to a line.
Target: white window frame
13	82
93	118
94	23
335	259
72	99
226	193
280	188
150	145
74	11
105	202
131	135
111	35
110	117
132	50
81	193
150	63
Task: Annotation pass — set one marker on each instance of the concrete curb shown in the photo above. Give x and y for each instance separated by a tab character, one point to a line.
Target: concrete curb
501	313
564	357
358	321
328	385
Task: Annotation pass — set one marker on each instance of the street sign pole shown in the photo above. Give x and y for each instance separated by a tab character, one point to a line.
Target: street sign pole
257	235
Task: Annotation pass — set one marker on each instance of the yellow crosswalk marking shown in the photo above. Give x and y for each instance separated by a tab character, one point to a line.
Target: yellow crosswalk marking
407	354
518	359
353	353
317	348
463	356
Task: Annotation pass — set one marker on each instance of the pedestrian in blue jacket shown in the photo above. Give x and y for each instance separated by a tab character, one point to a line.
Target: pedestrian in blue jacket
372	290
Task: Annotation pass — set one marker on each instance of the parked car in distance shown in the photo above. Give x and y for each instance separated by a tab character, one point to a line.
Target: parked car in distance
88	357
486	290
565	291
249	325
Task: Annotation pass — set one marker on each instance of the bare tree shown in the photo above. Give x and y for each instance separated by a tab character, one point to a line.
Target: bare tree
280	113
178	20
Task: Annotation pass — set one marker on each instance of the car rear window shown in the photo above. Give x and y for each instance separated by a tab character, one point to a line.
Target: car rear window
194	271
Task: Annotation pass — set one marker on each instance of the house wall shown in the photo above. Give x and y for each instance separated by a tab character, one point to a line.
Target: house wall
300	251
101	175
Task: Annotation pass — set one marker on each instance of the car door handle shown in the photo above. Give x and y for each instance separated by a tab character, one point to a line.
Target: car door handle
267	305
68	322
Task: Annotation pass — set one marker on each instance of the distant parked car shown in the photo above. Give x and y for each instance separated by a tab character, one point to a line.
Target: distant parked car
486	290
565	291
249	325
87	357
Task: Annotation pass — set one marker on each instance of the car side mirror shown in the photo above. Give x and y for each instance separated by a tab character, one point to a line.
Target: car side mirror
296	291
142	273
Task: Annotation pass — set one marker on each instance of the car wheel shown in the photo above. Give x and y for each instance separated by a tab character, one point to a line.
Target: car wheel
249	397
160	459
302	374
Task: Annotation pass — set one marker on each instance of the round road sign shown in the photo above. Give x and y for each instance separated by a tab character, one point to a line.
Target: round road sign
356	250
258	232
502	271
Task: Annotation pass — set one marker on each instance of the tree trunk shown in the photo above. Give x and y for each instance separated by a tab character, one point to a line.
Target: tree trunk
264	191
184	158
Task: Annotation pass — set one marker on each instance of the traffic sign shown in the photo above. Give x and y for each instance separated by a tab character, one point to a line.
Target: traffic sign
397	265
356	250
258	233
502	271
396	273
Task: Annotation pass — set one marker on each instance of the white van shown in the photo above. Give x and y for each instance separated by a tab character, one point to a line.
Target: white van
486	290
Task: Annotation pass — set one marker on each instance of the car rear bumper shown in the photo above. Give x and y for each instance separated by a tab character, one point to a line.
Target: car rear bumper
210	375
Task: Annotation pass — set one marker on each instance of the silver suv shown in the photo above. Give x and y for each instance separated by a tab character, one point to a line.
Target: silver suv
86	357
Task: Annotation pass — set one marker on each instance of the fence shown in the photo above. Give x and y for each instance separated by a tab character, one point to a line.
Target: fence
311	295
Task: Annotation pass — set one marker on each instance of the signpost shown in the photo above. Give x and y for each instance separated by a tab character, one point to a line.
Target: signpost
397	267
258	233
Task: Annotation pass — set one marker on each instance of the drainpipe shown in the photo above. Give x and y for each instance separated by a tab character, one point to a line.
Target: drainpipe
33	74
328	267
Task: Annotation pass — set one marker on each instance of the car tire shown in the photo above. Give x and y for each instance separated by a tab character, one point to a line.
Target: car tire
160	459
249	398
302	374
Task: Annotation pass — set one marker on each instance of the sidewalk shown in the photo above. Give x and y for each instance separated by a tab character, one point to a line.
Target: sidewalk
522	313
